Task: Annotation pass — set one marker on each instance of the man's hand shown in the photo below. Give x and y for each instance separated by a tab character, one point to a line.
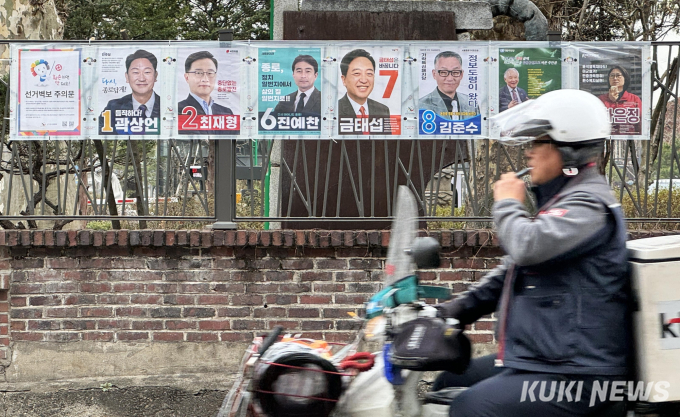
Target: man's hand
509	186
512	104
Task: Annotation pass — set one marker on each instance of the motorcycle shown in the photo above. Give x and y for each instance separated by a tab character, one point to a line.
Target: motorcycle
296	377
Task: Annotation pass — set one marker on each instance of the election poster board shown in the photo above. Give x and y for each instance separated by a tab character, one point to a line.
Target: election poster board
369	91
48	92
451	88
527	73
289	91
208	87
615	76
128	100
359	90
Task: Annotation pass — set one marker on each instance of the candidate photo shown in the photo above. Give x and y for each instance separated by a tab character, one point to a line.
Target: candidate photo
511	95
141	75
358	76
200	74
444	100
307	98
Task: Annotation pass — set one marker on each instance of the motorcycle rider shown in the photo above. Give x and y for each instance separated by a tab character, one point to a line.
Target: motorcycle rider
561	293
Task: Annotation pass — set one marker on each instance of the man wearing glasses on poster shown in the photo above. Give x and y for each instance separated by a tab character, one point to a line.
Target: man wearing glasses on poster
200	73
444	100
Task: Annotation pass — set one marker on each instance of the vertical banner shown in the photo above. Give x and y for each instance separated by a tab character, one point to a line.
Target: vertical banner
208	91
48	96
614	75
128	100
450	91
289	91
527	73
370	91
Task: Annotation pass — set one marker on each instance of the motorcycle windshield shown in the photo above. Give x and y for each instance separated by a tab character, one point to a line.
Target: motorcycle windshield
399	263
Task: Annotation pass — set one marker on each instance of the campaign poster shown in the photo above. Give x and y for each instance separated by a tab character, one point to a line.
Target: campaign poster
208	91
128	99
369	91
527	73
49	92
450	91
289	91
614	75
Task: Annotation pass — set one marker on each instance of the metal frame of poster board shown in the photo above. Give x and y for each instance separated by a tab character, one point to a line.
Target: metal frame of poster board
243	90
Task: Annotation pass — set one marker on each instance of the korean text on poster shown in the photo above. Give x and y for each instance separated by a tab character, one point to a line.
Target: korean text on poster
289	96
127	91
614	75
208	91
450	91
369	91
49	93
527	73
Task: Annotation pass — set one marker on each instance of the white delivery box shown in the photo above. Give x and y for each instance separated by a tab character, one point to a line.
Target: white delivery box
656	280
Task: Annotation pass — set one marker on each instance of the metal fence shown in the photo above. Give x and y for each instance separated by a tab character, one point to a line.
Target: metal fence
311	183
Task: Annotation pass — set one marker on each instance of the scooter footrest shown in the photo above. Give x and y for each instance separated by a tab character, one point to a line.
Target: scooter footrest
443	396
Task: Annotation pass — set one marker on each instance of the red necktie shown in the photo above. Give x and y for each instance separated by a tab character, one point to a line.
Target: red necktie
364	116
514	95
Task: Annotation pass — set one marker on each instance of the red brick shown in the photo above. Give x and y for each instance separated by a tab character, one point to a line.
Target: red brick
167	336
130	312
125	336
326	288
38	238
193	288
484	325
47	300
316	299
170	238
98	238
340	337
80	275
146	299
289	238
269	312
316	276
253	237
236	337
247	325
123	237
246	300
456	276
113	299
202	337
129	287
234	312
181	237
317	325
338	313
230	238
12	238
66	312
201	312
98	336
231	288
27	337
304	313
43	325
61	287
147	325
213	299
297	264
25	236
265	238
476	338
27	288
194	238
214	325
351	276
241	238
459	238
350	299
114	324
18	326
180	325
95	287
161	288
472	238
96	311
79	324
281	299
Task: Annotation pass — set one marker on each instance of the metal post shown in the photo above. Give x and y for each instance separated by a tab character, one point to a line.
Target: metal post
225	170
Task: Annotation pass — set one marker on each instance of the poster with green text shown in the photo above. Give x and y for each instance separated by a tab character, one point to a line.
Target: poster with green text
527	73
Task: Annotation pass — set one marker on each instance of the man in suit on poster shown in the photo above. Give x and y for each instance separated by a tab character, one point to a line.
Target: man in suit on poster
358	76
306	99
141	75
511	95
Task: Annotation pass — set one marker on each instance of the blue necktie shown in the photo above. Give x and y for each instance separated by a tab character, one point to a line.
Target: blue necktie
142	108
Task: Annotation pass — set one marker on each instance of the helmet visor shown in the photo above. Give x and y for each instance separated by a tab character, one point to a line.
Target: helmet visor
518	125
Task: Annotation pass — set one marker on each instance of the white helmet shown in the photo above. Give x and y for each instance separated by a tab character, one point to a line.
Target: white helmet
567	116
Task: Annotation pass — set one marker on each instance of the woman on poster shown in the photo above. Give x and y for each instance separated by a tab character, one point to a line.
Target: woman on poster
625	108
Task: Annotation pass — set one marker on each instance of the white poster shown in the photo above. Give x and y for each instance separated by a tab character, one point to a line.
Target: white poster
48	94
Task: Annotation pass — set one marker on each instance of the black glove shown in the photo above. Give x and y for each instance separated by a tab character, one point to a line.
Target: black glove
449	309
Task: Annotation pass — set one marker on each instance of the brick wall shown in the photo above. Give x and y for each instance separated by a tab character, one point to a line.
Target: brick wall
206	286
